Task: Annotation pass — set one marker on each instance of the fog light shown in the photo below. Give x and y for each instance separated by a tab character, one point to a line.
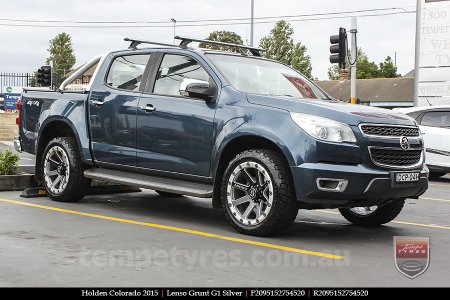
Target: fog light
332	185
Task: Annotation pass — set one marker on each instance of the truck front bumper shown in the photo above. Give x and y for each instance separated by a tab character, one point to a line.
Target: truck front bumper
321	185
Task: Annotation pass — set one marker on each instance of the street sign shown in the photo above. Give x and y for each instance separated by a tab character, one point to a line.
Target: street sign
10	97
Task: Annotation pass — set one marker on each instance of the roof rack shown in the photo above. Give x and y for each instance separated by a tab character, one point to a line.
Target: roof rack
135	43
185	41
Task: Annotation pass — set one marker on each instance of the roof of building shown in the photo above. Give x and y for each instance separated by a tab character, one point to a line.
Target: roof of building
373	90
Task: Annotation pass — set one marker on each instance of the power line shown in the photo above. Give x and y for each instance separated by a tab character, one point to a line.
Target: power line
199	21
197	25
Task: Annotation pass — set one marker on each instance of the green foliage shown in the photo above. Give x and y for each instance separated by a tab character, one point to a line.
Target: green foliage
33	80
8	162
365	69
388	69
279	45
334	72
224	37
62	56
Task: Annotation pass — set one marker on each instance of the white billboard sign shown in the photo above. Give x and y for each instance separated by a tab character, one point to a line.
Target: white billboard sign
434	60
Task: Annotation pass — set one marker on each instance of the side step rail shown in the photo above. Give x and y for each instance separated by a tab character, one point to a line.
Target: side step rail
169	185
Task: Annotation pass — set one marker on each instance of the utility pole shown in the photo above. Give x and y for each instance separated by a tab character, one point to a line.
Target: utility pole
51	74
174	28
252	22
417	62
354	54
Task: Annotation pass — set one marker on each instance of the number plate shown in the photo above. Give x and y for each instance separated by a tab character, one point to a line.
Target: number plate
406	177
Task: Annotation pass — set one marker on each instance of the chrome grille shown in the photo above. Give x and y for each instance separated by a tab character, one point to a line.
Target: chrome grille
395	158
383	130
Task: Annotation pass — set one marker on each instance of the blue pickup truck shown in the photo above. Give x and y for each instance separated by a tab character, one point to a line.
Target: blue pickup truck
257	137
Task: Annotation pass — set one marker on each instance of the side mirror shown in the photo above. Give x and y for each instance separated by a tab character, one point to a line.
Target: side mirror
194	88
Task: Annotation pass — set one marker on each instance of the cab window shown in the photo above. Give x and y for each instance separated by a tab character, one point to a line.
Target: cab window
126	72
176	71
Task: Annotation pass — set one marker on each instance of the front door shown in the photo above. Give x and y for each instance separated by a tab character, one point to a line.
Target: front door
113	108
175	132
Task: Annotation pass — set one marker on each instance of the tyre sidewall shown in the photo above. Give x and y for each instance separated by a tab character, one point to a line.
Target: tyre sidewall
75	187
278	198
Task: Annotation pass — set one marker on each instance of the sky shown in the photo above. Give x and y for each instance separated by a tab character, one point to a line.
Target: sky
24	49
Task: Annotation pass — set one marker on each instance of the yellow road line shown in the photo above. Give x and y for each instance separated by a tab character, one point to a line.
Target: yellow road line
433	199
178	229
397	222
422	225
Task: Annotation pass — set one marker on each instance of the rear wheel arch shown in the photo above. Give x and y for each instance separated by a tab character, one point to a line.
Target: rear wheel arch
53	129
233	148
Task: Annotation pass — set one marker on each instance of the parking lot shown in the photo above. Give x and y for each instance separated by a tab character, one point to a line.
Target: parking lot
143	239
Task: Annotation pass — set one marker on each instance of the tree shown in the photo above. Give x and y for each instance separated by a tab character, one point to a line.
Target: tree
280	46
33	80
224	37
334	72
62	57
388	69
365	69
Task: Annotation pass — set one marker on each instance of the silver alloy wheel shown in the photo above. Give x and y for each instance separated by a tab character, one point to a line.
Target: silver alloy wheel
56	170
363	211
250	193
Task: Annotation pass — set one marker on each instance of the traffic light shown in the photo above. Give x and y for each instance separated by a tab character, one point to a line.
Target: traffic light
44	76
338	48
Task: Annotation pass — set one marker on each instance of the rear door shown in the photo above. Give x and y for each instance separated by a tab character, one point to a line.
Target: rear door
113	108
435	125
175	132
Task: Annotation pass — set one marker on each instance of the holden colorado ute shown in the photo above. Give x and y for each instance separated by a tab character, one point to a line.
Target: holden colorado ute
256	136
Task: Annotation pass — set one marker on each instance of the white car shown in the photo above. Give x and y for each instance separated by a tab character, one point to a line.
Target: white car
434	123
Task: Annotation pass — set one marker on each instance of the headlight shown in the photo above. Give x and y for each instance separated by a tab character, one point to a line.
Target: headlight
324	129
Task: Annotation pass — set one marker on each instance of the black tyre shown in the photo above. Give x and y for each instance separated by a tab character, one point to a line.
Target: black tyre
258	194
373	216
167	194
62	171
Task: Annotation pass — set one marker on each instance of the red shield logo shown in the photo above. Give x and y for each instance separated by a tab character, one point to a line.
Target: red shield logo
412	255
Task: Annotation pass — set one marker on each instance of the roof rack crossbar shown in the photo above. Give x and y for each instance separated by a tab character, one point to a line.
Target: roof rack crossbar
185	41
135	43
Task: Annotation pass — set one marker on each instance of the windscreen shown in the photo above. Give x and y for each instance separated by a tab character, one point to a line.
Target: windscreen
264	77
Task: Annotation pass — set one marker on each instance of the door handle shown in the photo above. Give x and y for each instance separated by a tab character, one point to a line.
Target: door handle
148	108
97	102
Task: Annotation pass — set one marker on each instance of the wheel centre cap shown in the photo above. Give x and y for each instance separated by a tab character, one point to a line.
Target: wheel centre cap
253	193
60	169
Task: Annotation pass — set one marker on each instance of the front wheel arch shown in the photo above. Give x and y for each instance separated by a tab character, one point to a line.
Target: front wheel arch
233	148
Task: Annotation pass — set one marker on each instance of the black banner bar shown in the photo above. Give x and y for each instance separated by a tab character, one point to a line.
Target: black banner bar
236	293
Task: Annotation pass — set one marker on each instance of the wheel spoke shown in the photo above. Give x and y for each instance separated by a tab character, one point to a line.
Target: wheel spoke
62	181
249	177
58	155
265	193
241	200
261	178
248	210
52	173
53	161
258	210
57	180
240	186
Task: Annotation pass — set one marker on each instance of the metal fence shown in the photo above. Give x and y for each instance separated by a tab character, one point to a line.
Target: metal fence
15	79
